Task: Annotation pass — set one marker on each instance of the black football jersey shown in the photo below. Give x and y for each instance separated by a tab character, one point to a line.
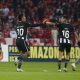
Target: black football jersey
21	29
65	31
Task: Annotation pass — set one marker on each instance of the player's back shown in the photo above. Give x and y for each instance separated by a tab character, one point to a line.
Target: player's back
21	29
65	31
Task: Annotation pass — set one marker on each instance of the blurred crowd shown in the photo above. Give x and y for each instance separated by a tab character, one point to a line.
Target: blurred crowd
36	11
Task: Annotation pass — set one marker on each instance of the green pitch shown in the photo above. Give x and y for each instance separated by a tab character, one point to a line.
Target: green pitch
37	71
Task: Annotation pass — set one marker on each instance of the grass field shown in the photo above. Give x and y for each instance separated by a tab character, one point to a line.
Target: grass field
37	71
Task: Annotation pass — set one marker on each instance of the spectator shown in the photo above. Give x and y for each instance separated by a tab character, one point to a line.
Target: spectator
54	34
2	40
34	43
6	30
5	13
13	33
36	11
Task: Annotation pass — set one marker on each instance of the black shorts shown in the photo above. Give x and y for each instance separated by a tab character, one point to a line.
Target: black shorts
22	45
65	46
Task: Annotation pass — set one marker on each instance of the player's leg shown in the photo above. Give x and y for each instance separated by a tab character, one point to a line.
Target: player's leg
61	50
24	53
68	48
19	44
66	62
60	60
26	50
20	59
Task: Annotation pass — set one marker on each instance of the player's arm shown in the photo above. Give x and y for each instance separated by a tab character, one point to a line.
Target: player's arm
48	22
52	22
34	25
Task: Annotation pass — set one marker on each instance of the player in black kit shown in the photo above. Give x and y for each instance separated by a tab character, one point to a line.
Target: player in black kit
65	31
22	45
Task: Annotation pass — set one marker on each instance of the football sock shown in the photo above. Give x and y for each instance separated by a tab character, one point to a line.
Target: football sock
66	63
59	64
19	65
20	58
20	61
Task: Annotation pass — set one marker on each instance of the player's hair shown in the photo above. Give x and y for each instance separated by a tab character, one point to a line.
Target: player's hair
19	17
65	17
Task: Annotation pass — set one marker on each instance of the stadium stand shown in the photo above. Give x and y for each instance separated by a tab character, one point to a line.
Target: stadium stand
36	11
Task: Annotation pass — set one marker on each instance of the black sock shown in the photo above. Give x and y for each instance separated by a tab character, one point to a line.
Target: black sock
66	63
19	65
20	58
59	64
20	62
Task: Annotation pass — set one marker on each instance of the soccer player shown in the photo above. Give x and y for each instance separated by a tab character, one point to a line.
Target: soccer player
74	65
22	45
64	36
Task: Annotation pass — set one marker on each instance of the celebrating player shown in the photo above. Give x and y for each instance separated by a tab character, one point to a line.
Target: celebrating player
22	45
65	31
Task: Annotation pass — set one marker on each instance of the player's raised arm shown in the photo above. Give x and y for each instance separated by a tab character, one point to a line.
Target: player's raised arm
35	25
46	21
30	24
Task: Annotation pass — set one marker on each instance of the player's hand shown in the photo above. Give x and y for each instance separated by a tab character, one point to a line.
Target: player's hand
45	20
